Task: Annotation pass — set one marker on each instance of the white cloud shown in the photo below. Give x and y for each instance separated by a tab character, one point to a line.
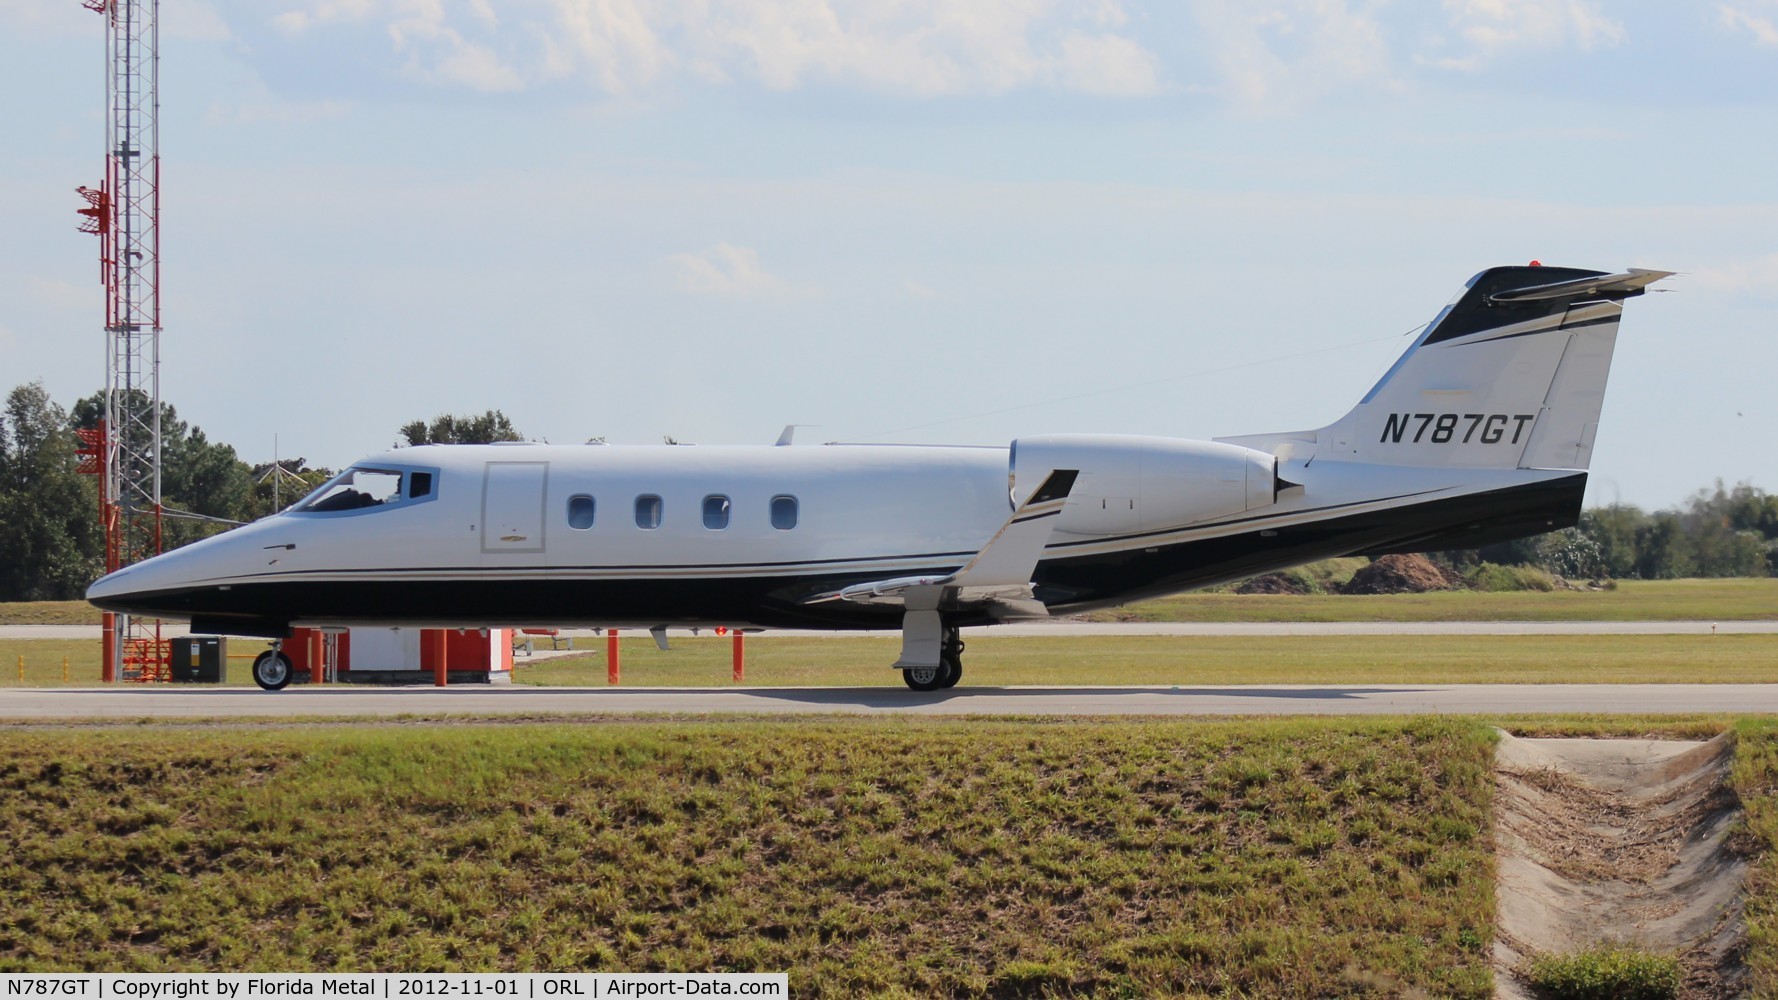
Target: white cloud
726	269
1282	54
49	18
913	47
268	110
316	12
1742	18
69	296
194	21
1756	275
1494	27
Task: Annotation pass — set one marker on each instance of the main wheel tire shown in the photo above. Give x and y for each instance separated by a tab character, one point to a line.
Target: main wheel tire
953	669
924	678
271	670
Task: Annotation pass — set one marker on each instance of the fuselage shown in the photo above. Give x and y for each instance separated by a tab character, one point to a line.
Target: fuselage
745	536
1481	432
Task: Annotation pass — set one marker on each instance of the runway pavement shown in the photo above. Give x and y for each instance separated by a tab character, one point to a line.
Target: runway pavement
1074	628
234	704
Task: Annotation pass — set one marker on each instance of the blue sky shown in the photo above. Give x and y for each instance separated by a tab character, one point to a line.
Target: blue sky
902	220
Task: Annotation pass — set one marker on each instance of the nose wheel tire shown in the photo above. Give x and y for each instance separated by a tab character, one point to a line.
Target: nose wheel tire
271	670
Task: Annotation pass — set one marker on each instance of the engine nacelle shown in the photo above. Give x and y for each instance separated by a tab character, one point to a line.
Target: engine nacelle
1129	483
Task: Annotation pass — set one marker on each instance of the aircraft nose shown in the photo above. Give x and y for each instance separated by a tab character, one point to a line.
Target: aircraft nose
142	588
111	591
108	586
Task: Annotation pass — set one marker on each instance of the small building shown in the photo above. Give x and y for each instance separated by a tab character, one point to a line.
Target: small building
403	655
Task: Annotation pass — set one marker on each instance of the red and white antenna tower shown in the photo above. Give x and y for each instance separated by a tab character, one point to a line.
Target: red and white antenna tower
125	214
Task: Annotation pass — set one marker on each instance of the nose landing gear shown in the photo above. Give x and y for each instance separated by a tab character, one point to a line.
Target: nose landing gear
271	669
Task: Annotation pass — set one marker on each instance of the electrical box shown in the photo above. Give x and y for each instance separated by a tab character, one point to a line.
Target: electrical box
199	659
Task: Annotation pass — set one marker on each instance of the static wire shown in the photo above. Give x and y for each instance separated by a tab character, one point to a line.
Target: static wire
1126	387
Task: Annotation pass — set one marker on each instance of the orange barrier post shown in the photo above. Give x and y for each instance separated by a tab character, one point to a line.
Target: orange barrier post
441	667
21	668
740	656
611	656
317	671
108	647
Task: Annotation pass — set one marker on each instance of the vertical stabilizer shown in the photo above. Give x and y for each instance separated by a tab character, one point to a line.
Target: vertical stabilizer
1511	375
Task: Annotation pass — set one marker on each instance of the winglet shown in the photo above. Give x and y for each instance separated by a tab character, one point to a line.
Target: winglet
1012	554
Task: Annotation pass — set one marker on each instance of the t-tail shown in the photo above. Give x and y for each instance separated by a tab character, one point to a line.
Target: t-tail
1483	430
1511	375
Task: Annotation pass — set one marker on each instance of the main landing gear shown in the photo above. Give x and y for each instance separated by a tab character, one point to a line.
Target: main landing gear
271	669
949	670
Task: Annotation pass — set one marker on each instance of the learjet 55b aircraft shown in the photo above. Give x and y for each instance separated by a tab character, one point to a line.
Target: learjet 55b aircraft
1480	433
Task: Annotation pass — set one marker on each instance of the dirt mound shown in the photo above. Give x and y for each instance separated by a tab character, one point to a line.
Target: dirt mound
1271	583
1398	574
1618	842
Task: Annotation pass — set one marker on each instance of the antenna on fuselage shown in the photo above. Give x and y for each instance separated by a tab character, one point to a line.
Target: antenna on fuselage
784	439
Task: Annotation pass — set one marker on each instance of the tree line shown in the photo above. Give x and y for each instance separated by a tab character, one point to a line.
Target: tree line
1723	531
50	543
51	546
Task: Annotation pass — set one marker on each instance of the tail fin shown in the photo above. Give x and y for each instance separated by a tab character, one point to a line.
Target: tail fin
1511	375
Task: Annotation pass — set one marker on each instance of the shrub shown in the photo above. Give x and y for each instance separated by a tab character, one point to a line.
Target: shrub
1605	973
1492	577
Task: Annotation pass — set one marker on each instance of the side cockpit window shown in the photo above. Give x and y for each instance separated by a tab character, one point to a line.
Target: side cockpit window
363	488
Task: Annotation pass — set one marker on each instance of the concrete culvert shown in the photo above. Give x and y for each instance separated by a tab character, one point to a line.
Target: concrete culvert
1618	844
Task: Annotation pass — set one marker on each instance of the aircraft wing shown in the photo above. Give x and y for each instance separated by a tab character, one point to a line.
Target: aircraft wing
1000	574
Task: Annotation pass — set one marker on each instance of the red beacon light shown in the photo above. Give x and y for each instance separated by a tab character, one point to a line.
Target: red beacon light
1537	263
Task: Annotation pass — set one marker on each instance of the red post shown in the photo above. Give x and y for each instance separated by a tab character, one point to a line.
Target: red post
317	671
740	656
441	666
611	656
108	648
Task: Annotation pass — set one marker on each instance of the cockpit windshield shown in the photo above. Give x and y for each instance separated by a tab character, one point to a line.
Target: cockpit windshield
357	488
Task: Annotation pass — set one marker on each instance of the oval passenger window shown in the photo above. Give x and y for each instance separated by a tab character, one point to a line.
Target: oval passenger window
648	511
784	512
580	511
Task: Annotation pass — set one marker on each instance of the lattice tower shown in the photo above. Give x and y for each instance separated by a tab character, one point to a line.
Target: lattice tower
125	213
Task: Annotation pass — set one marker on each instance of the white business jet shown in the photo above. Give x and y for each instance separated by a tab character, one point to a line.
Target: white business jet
1480	433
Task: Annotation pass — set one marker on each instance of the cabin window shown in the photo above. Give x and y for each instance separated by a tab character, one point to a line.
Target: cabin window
784	512
648	511
419	484
580	511
716	512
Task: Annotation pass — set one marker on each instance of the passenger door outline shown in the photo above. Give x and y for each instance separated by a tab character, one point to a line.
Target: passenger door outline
513	498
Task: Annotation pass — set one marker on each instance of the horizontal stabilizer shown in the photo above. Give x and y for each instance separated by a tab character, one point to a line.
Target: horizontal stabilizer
1606	286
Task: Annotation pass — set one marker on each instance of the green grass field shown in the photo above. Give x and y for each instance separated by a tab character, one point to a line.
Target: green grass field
897	858
1174	660
1632	600
1065	660
1741	599
48	613
866	858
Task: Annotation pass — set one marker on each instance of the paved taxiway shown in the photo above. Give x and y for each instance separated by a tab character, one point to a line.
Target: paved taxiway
533	702
1074	628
